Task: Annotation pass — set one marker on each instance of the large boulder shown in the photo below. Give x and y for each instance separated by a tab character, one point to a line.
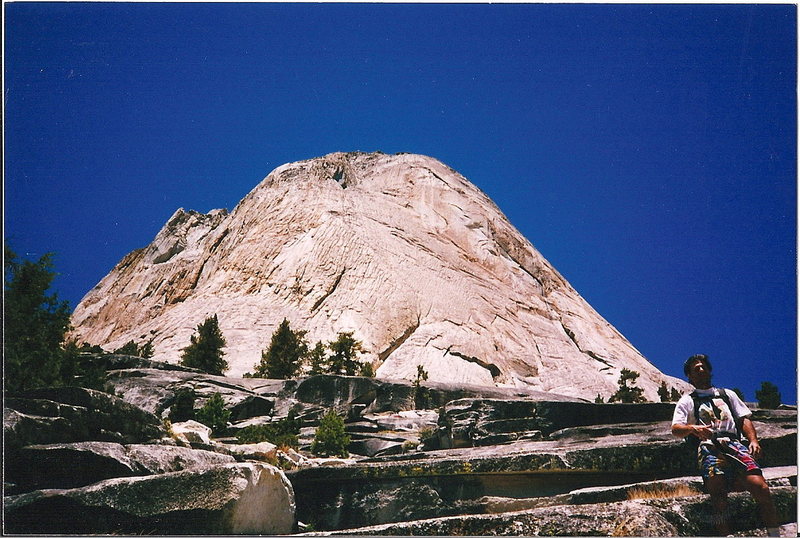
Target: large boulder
72	465
243	498
71	414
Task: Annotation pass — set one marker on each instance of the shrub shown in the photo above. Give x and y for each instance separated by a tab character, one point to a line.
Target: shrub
144	351
330	438
285	354
768	396
214	415
283	433
628	393
366	370
205	351
183	406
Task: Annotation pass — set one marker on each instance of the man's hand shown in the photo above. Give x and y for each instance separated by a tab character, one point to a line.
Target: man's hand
701	431
755	449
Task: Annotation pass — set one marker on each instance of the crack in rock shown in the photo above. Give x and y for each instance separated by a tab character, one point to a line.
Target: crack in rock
399	341
587	352
329	292
494	370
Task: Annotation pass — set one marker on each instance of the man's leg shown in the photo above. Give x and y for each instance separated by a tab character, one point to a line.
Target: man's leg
717	487
758	488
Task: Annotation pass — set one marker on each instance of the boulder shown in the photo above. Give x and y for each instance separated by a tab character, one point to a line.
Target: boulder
263	451
71	465
192	431
70	414
243	498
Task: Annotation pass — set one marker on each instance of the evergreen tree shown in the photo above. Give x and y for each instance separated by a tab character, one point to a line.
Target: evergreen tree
35	323
628	393
318	359
768	396
674	395
182	408
663	392
344	358
285	354
214	415
598	399
330	438
205	351
144	351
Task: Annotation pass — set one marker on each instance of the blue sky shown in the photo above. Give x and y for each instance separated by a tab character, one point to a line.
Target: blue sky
647	151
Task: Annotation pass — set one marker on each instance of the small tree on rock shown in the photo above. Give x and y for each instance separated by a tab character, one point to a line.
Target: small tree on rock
318	359
285	354
345	351
214	415
768	396
628	393
663	392
205	352
330	438
144	351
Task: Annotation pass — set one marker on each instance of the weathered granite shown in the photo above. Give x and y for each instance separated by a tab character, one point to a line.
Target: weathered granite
70	414
71	465
400	249
675	516
242	498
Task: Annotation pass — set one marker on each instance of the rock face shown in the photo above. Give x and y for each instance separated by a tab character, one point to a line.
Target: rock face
486	460
240	498
401	249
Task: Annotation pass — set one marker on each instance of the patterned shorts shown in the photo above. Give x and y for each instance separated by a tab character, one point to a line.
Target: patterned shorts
713	462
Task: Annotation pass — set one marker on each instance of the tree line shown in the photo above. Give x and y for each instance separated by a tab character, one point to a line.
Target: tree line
37	352
287	355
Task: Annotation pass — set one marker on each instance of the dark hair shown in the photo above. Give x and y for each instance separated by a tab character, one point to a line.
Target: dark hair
691	360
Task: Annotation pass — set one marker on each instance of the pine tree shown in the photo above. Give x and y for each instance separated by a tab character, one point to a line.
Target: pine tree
674	395
330	438
144	351
205	351
663	392
285	354
768	396
35	323
344	358
318	359
214	415
628	393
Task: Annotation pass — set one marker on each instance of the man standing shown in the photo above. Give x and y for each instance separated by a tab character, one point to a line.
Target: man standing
717	418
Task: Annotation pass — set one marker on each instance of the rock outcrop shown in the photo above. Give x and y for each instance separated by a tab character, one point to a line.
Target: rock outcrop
401	250
485	460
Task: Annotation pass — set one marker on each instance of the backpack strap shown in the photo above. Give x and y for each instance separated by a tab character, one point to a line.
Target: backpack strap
718	393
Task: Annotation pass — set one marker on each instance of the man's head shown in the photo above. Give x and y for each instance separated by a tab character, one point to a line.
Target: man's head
698	369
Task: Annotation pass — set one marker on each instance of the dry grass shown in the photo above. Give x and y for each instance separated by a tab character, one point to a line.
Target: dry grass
661	491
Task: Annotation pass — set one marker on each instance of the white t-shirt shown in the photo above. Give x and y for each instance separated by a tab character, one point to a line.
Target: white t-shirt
713	412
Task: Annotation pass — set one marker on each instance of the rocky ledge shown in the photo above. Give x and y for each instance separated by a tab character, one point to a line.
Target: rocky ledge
433	460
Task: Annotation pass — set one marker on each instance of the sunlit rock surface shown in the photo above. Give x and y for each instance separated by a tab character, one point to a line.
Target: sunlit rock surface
400	249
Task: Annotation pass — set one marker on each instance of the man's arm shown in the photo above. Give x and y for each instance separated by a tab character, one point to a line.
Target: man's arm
699	431
749	431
